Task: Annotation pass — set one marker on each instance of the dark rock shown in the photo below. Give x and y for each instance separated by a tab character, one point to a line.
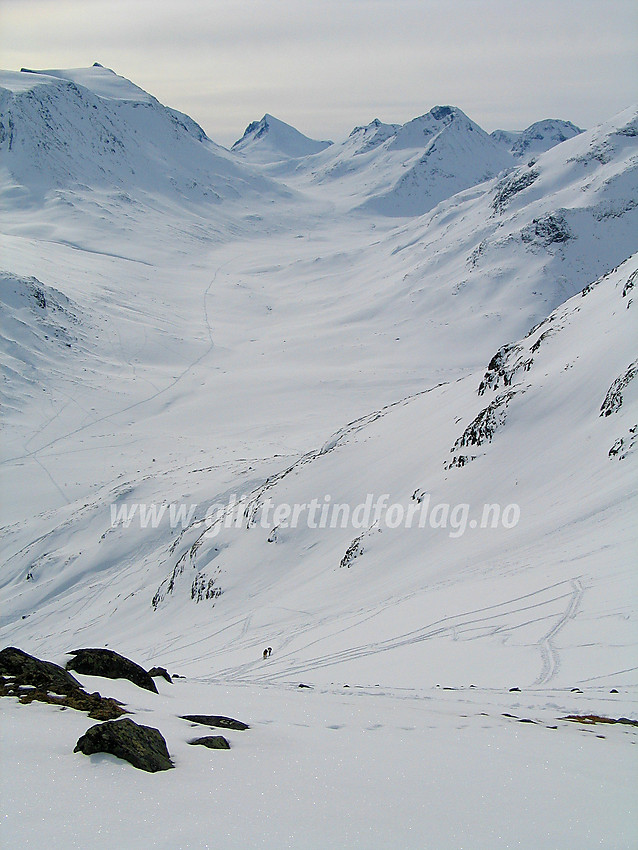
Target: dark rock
306	686
512	690
511	186
44	675
596	718
160	671
30	679
214	721
213	742
482	428
354	550
625	446
105	662
614	398
613	691
142	746
631	282
549	229
499	369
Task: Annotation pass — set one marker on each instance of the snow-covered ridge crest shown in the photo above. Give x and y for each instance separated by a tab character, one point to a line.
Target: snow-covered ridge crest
103	82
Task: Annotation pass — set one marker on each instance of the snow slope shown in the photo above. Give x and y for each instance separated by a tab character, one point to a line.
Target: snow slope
271	140
166	350
537	138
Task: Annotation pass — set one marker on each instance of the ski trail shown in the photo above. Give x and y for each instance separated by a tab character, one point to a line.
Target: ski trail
549	654
136	404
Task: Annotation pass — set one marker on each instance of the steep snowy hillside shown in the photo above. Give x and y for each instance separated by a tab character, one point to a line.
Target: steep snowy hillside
537	138
271	140
362	597
89	129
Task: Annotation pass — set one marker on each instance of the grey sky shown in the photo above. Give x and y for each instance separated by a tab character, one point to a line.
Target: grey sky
327	65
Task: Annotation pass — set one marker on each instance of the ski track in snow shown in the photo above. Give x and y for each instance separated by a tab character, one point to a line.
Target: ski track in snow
127	408
463	626
549	653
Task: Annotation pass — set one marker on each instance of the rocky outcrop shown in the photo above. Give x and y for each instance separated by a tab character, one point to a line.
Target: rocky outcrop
502	368
510	186
112	665
215	721
613	399
154	672
547	230
30	679
142	746
44	675
624	446
354	550
213	742
481	429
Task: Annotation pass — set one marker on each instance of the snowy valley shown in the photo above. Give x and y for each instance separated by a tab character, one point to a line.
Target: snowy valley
205	353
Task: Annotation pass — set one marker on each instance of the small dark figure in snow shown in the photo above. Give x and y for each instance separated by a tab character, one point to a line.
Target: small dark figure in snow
265	653
269	651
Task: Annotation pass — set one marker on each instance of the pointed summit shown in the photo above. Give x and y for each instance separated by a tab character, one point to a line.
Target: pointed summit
271	140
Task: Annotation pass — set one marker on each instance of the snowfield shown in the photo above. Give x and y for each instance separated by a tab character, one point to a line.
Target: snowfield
425	329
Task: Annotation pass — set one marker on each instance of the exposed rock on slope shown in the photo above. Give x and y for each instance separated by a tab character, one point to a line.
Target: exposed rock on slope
30	679
112	665
143	746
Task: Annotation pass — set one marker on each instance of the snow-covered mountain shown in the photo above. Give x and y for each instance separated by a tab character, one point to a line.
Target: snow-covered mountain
88	129
406	170
271	140
199	345
537	138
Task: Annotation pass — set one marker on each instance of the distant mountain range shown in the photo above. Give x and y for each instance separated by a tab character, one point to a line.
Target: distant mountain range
399	170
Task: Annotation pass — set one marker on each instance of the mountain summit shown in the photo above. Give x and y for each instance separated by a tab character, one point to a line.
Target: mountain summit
537	138
87	129
271	140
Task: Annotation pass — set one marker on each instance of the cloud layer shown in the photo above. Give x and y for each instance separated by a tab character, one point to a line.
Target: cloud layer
325	67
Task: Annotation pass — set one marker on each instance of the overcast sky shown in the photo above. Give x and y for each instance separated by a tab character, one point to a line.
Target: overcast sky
327	65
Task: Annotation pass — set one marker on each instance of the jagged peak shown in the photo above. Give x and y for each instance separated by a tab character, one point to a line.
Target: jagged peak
283	140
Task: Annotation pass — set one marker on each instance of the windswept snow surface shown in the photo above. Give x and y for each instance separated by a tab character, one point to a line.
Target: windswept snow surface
191	332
